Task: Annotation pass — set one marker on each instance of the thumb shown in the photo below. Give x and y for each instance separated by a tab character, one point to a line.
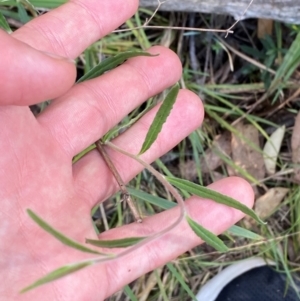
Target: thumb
28	76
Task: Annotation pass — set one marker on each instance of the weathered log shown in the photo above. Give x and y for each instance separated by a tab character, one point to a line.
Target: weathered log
282	10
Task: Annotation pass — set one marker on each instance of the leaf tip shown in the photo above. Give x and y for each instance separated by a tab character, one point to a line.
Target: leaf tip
27	288
30	213
24	290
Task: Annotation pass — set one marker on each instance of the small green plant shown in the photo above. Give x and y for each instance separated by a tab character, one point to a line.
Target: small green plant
268	55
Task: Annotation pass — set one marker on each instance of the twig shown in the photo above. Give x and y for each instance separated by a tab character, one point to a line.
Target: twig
239	19
104	219
124	192
158	175
246	58
146	26
154	13
173	27
168	187
286	102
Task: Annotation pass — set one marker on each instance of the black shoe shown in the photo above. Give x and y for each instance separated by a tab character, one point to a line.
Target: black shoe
248	280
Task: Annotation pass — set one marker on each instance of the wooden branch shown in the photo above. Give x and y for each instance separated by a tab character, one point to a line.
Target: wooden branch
282	10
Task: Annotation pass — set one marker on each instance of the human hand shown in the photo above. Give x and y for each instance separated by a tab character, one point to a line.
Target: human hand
36	168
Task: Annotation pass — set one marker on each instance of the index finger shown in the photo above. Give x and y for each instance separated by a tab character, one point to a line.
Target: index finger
68	30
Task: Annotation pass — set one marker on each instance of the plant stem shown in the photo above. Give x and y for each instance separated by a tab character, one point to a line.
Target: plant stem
125	194
169	188
158	175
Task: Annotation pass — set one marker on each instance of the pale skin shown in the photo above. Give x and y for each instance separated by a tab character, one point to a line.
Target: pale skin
36	168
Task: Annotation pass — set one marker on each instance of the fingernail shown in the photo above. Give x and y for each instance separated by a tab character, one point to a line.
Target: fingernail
58	57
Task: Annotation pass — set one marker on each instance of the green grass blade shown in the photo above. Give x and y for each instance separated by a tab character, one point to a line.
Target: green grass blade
56	274
161	285
180	279
116	243
128	291
3	24
8	13
152	199
23	16
83	153
290	62
207	236
160	118
59	236
111	63
241	232
213	195
47	3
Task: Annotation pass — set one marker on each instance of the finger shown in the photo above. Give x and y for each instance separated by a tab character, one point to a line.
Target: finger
31	76
91	108
212	216
91	172
72	27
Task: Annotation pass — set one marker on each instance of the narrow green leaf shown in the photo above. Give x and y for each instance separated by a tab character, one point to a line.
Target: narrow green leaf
152	199
111	63
241	232
128	291
47	3
290	63
213	195
210	238
160	118
161	285
3	24
56	274
116	243
36	3
180	279
83	153
23	16
59	236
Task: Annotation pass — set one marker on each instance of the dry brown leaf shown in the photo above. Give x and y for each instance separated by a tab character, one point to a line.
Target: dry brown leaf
243	154
264	27
216	176
150	284
266	204
296	147
188	170
220	146
272	148
210	160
